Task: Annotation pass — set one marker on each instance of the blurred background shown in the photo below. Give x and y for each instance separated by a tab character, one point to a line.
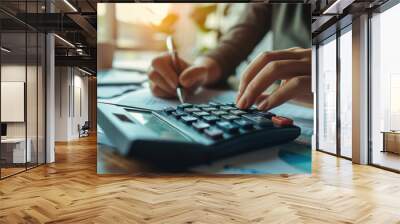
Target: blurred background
135	33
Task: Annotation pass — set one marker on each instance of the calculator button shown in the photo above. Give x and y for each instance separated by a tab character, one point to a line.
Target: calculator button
230	117
228	126
210	119
208	109
213	133
227	108
237	112
201	113
266	114
260	120
202	105
188	119
219	112
245	124
169	110
230	104
184	105
191	110
178	114
251	109
282	121
200	125
214	104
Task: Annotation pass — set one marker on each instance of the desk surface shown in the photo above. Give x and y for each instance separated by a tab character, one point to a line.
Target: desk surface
391	132
13	140
291	158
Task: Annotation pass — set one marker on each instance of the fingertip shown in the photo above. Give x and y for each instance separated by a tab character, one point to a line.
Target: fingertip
185	81
263	105
237	98
242	104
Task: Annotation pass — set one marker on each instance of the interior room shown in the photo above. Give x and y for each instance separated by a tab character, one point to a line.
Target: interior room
52	55
22	100
385	123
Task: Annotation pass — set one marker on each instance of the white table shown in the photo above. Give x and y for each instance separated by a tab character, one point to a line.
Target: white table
17	145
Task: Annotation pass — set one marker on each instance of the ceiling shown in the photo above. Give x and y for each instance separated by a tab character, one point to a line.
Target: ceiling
74	21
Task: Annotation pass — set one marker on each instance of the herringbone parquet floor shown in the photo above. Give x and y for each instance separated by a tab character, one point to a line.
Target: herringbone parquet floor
70	191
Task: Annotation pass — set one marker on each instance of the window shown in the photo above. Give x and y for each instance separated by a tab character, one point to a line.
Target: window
327	96
346	92
385	88
22	77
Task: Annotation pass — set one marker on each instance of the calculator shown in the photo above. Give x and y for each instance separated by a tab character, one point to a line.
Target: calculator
191	134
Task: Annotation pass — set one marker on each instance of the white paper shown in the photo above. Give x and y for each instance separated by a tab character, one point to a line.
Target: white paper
116	77
145	99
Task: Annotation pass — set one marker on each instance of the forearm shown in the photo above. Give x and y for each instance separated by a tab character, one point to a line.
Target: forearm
235	46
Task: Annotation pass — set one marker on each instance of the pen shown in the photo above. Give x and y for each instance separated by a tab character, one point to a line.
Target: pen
175	61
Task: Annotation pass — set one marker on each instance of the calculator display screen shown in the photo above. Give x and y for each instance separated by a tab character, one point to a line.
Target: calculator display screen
158	126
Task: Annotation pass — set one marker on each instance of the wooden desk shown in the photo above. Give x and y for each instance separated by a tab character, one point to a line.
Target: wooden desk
391	141
13	150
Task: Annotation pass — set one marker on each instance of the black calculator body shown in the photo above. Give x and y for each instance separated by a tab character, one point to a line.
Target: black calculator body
190	134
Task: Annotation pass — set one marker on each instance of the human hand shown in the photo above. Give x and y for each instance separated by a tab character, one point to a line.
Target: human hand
164	79
292	66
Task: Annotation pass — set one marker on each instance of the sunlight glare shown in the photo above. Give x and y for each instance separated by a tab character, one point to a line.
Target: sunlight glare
142	13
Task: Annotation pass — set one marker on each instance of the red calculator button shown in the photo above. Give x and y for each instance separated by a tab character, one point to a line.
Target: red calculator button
282	121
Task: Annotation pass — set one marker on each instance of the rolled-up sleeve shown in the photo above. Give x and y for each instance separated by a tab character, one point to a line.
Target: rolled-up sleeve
235	45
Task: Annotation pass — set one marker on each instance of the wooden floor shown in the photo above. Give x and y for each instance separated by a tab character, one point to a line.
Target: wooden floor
70	191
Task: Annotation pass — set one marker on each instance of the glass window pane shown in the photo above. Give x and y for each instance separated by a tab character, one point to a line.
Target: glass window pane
31	88
41	99
346	94
31	98
385	88
327	96
13	84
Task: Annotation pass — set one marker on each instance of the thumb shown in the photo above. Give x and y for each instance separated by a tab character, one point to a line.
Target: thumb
193	76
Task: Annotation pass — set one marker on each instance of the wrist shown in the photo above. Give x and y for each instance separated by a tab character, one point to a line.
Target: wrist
214	72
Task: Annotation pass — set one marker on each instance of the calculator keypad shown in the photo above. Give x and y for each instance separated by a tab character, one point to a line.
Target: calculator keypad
219	121
214	133
210	119
188	119
219	112
200	125
228	127
201	114
258	119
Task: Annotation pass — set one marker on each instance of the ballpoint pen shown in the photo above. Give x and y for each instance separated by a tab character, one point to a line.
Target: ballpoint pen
175	61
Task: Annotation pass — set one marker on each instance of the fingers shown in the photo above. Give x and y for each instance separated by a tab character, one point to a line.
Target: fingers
158	80
193	77
290	90
261	98
159	92
262	60
163	76
163	65
275	70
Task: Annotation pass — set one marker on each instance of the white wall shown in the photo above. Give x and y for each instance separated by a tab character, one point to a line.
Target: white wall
70	84
61	103
33	126
16	73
